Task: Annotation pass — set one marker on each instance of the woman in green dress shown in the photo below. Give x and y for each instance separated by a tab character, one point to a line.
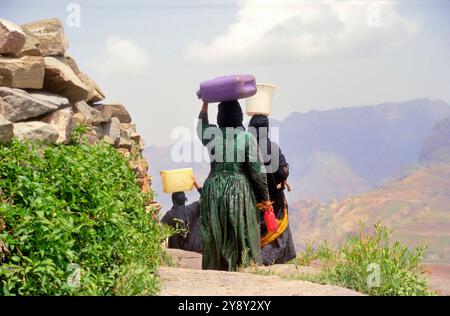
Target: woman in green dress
229	219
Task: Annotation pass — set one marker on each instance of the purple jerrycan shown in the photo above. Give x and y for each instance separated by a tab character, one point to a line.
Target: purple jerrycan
227	88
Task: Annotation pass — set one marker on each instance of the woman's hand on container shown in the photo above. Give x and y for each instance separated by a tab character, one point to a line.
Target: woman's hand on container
194	182
266	204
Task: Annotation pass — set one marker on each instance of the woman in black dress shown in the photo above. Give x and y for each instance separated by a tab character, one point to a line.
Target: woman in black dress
276	247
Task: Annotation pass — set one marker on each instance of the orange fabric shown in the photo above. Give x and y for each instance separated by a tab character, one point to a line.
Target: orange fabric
271	236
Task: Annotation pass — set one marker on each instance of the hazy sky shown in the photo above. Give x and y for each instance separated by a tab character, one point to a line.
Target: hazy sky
152	55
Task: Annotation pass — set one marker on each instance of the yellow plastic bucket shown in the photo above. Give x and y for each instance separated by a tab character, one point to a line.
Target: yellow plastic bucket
261	102
177	180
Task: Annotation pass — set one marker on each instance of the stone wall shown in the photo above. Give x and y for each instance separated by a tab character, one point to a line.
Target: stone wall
44	94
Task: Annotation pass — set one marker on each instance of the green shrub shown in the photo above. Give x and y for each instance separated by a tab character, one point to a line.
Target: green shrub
309	254
360	260
74	211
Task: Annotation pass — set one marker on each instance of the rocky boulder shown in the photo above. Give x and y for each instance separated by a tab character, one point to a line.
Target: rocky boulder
19	105
49	34
111	131
136	137
95	94
127	129
124	152
141	145
78	119
60	78
31	47
89	115
26	72
36	131
139	166
6	130
125	143
12	38
72	64
115	110
55	99
62	121
84	113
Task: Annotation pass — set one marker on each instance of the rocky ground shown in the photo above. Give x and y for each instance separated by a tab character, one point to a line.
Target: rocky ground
188	279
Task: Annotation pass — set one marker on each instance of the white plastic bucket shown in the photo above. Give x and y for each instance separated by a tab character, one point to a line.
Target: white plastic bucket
261	102
177	180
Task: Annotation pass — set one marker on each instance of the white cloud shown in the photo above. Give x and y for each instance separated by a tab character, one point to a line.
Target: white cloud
121	56
294	29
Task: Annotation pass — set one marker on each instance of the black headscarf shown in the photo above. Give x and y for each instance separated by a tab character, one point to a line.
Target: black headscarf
230	114
179	198
259	121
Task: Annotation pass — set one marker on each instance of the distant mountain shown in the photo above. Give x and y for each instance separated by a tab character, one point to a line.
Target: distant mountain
338	153
346	151
415	203
436	148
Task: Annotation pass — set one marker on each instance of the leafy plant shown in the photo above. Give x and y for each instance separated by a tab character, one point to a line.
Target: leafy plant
78	133
309	254
75	222
370	264
306	257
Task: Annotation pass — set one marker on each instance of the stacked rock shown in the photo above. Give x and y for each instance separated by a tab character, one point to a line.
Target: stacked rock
44	94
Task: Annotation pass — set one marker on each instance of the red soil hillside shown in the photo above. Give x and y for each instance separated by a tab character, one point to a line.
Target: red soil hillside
416	206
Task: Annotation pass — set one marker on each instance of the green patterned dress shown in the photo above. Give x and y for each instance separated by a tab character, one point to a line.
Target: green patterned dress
229	219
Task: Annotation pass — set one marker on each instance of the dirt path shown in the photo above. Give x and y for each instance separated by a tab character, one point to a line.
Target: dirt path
188	279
